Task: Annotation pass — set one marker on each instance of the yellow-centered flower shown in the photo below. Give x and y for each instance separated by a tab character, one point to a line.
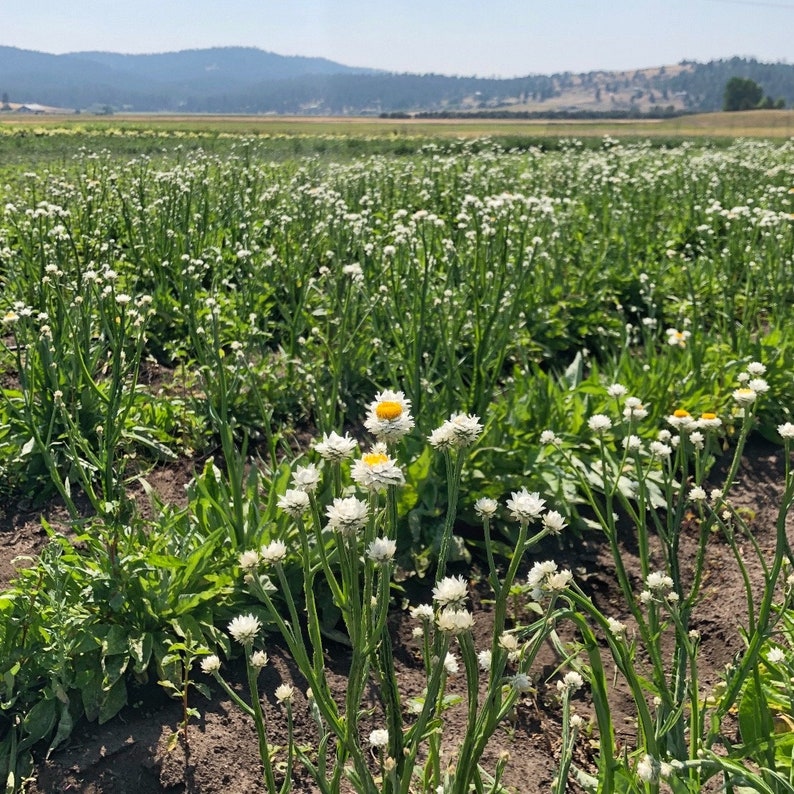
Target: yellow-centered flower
374	458
388	409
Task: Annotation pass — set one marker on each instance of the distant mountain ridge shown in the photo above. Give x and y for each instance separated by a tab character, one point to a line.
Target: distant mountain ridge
250	80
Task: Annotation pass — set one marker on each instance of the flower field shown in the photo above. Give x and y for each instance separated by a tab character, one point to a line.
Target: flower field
410	457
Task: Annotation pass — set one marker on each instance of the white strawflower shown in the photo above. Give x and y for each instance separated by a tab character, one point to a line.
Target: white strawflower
484	660
599	423
676	338
244	629
306	478
758	385
616	627
660	450
294	502
451	591
571	681
451	664
554	522
775	656
284	693
389	417
422	612
508	642
347	515
486	508
258	659
550	437
617	390
634	409
756	368
544	578
336	448
249	561
786	430
375	470
708	421
210	664
273	552
680	419
455	621
697	494
648	769
459	431
744	396
525	506
379	738
632	443
698	439
659	584
381	550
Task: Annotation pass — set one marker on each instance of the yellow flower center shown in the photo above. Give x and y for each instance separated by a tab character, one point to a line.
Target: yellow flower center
374	458
708	416
680	413
388	409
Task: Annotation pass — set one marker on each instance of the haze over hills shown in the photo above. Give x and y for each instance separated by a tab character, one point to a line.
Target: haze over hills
250	80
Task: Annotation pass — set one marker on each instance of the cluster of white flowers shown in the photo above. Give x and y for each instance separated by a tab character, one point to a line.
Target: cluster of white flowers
634	409
659	587
458	432
752	385
455	621
544	579
676	338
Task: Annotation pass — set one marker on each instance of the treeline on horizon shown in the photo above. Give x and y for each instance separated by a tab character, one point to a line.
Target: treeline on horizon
237	88
552	115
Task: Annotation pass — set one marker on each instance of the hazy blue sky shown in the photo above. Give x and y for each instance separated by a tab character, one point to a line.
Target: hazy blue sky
486	37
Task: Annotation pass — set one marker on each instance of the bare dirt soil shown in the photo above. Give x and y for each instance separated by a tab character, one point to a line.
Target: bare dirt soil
131	754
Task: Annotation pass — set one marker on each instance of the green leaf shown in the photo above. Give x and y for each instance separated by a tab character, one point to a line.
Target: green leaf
114	701
39	722
755	721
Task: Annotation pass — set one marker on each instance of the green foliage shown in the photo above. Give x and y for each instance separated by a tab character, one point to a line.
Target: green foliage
232	304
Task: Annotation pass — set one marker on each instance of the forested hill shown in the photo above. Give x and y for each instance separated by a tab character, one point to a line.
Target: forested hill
248	80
